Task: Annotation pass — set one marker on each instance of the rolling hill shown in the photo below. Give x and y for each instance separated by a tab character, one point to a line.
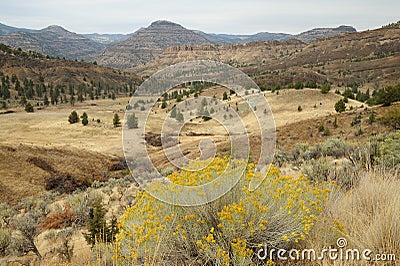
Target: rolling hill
146	43
368	57
32	75
53	41
5	29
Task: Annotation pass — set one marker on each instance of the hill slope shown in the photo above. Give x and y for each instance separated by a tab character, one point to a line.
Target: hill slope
32	76
106	38
146	43
363	57
54	41
5	29
320	33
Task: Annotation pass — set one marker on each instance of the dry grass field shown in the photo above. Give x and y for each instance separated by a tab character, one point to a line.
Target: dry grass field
46	132
36	146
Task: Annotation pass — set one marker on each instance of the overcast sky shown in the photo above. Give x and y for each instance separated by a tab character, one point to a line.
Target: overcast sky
227	16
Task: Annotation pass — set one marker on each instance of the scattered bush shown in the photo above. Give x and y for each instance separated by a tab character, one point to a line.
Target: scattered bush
335	147
325	88
29	108
28	227
389	150
317	170
356	120
5	241
303	152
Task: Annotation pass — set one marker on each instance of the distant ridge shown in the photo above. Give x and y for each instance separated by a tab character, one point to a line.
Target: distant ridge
125	51
5	29
53	40
146	43
320	33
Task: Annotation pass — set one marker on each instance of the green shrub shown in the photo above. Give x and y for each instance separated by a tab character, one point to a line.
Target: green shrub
390	151
85	120
325	88
335	147
73	118
340	106
5	241
317	170
392	117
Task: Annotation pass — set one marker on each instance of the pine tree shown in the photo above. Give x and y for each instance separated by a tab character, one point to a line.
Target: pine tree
46	100
29	108
335	124
85	120
173	113
225	96
96	225
164	105
179	117
132	121
116	121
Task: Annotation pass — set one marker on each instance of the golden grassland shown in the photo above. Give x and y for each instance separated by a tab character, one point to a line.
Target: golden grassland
33	146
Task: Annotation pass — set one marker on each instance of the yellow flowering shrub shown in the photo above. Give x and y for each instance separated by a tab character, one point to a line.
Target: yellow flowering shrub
227	231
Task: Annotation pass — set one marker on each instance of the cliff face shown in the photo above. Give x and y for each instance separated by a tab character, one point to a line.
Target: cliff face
238	55
147	43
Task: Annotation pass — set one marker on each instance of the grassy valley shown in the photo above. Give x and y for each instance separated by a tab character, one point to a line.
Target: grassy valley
67	196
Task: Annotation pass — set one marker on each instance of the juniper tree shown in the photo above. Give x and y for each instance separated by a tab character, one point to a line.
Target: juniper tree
73	118
116	121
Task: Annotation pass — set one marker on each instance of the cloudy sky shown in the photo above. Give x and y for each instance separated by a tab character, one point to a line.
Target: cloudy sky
226	16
